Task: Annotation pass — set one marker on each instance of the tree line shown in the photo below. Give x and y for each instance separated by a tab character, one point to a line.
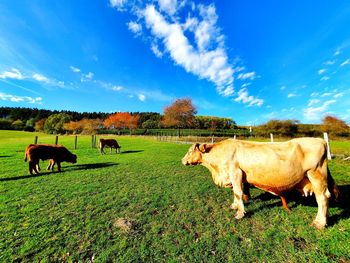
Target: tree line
181	114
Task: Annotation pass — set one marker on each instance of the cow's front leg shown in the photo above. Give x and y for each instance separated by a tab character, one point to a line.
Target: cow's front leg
236	179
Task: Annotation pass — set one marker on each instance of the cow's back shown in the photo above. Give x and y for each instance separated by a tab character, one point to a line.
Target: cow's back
42	151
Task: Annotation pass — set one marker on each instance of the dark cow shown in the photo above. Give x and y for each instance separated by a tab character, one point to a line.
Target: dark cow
54	153
112	143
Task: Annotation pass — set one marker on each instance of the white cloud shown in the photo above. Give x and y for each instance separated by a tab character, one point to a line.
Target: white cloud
14	98
40	78
13	74
74	69
337	52
321	71
338	95
346	62
141	97
325	78
119	4
135	27
87	77
244	97
329	62
313	102
168	6
326	94
283	88
248	75
206	31
47	81
156	50
291	95
207	64
316	113
117	88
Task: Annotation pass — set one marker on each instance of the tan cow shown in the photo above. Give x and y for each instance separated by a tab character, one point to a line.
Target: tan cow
272	167
304	187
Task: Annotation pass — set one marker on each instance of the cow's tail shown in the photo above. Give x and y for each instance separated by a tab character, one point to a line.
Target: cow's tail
333	188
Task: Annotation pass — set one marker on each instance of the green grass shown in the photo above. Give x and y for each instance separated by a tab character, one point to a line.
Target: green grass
177	212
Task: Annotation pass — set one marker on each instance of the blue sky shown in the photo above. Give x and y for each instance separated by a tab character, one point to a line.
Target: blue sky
248	60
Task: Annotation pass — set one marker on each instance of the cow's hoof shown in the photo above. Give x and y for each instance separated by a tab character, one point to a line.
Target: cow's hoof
239	215
234	206
319	225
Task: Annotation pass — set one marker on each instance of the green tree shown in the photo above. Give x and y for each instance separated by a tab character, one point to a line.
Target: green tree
150	124
285	128
18	125
55	122
5	124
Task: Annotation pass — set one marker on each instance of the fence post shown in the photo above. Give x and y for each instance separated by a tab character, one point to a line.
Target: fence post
271	137
56	140
75	142
92	141
212	139
36	140
234	137
325	136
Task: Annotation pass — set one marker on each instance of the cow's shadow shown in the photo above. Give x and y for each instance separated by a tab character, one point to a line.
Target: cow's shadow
294	199
87	166
5	156
131	151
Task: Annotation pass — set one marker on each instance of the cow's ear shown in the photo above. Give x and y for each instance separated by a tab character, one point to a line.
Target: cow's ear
204	148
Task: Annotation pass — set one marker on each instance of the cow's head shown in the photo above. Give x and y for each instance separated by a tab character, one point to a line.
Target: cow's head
73	158
194	154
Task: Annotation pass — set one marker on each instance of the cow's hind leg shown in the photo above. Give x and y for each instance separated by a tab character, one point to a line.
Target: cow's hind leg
33	167
284	203
246	192
101	150
318	180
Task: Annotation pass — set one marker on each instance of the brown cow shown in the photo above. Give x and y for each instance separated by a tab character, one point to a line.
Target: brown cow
112	143
272	167
54	153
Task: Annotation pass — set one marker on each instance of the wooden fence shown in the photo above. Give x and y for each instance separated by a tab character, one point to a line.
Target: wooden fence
93	141
181	139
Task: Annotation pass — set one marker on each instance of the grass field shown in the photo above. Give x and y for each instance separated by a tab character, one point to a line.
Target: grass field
174	213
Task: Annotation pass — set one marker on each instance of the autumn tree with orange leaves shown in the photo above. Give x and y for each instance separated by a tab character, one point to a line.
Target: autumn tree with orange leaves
84	126
121	120
335	126
180	114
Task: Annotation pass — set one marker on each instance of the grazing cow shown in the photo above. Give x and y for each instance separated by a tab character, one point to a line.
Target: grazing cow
112	143
272	167
54	153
